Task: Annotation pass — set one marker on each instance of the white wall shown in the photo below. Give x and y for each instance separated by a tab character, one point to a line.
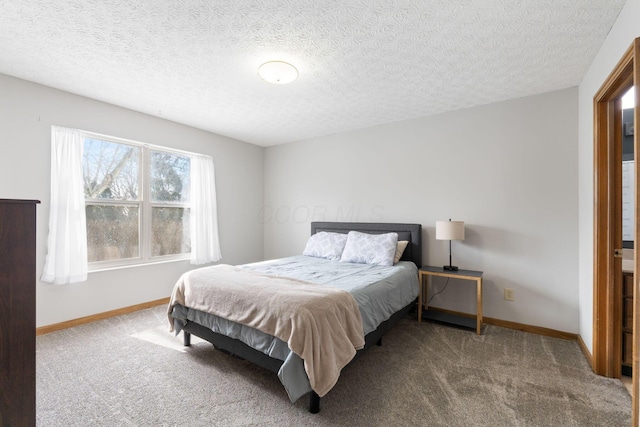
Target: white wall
509	170
28	110
620	37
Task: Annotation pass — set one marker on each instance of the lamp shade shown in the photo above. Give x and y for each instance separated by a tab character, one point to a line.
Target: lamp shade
449	230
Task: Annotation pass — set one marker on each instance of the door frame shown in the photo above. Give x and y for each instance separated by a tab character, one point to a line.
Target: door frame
607	232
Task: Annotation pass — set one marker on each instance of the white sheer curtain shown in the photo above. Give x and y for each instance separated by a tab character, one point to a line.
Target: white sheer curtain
67	242
205	244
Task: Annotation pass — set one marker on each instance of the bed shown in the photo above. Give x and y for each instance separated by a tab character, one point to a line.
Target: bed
377	298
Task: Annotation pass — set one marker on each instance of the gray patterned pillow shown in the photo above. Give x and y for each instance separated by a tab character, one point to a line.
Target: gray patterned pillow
366	248
325	245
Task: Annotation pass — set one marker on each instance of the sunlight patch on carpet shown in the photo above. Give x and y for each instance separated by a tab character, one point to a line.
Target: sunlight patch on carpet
161	337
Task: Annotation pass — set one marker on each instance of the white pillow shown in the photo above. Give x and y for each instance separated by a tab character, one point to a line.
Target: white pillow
366	248
402	245
325	245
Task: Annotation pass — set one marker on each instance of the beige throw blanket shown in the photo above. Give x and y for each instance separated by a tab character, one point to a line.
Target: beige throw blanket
321	324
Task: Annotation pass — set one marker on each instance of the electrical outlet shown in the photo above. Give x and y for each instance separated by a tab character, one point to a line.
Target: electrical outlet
508	294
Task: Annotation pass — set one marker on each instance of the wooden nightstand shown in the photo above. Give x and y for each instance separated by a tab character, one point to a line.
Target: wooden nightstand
475	276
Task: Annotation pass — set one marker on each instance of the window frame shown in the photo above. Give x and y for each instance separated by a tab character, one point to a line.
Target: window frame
144	204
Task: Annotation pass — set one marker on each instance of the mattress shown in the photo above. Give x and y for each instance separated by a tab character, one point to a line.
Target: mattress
378	290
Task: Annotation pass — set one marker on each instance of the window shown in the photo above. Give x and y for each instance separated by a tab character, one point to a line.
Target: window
137	202
117	203
169	204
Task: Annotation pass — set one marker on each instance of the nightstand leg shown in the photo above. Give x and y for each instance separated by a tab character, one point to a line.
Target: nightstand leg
479	308
421	277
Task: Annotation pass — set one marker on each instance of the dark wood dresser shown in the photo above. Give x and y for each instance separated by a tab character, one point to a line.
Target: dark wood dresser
18	312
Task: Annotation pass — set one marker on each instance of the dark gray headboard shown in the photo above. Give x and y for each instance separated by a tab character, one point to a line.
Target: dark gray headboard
410	232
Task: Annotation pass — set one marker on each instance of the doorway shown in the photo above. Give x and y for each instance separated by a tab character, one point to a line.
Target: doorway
608	229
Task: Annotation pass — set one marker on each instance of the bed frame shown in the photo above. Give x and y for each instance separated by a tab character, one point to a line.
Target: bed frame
413	252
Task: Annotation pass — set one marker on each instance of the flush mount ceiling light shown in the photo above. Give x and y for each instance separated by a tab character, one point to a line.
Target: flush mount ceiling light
278	72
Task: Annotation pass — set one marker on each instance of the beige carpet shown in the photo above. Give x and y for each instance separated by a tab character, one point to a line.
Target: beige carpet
129	371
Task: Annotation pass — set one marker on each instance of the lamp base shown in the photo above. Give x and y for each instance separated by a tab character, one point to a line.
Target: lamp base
450	268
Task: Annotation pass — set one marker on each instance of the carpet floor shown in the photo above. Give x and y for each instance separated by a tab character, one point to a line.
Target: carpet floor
130	371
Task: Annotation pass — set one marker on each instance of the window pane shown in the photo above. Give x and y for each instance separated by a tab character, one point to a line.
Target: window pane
110	170
169	177
112	232
170	231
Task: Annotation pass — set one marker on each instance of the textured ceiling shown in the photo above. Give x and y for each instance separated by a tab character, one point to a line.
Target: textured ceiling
361	62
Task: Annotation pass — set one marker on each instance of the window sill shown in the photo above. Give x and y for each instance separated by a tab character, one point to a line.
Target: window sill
99	269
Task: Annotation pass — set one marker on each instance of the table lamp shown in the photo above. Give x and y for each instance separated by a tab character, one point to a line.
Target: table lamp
450	230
